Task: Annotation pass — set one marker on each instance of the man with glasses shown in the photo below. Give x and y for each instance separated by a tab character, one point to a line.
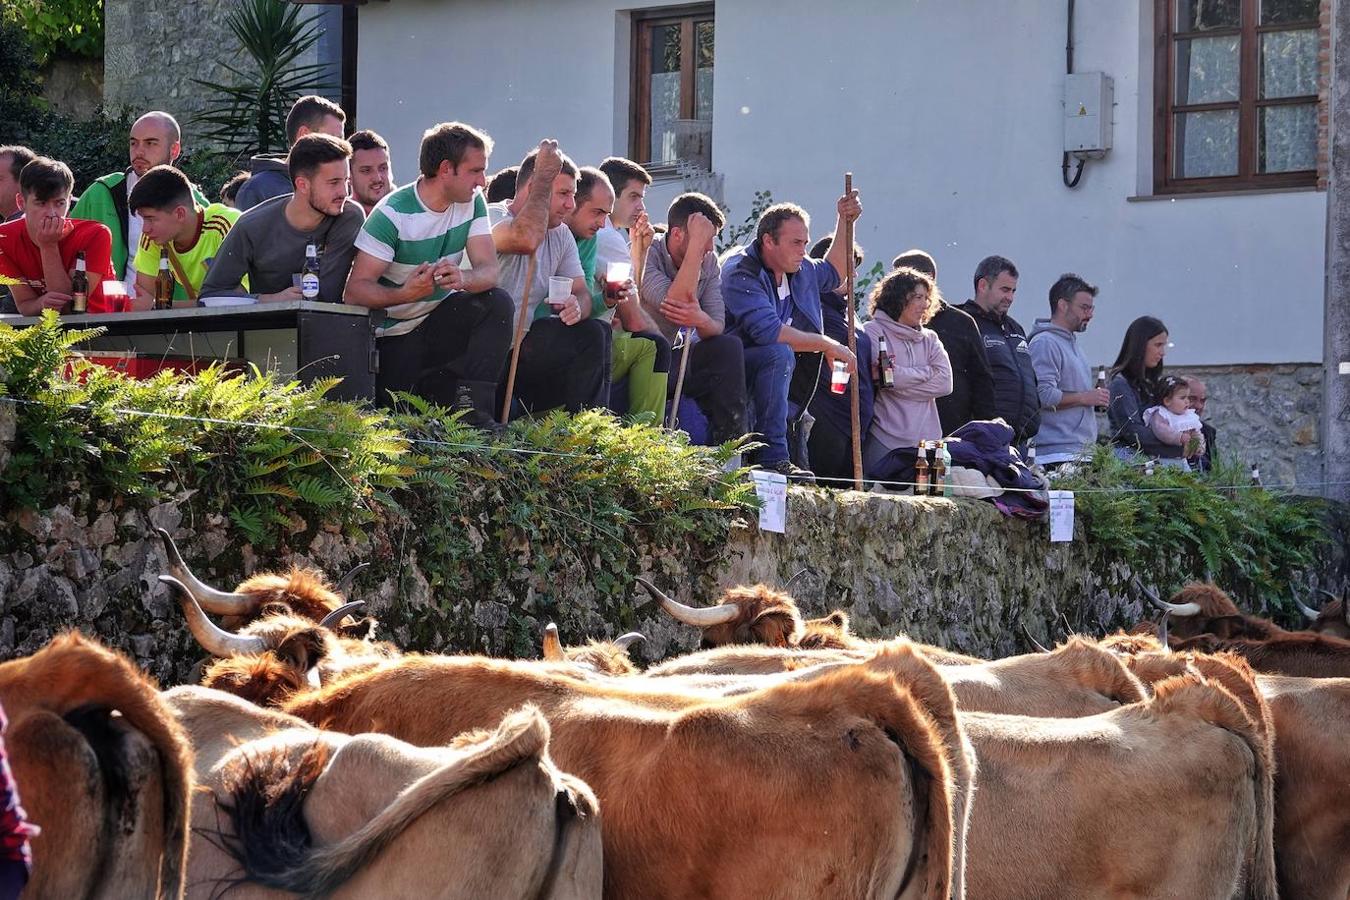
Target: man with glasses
1064	382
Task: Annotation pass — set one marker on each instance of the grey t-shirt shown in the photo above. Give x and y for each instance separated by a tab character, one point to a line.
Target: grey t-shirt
659	274
269	250
557	255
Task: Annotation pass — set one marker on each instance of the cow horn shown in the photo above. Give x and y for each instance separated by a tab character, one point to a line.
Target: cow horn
553	650
1026	632
1308	612
1176	609
699	618
345	584
624	641
209	598
341	613
214	639
1162	635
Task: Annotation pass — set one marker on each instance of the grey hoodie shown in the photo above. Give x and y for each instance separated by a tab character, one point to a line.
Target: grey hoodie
1061	368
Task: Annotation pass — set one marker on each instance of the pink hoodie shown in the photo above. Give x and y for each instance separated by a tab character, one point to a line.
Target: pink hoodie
907	413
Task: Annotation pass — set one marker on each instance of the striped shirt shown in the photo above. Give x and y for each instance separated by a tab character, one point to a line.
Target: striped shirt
403	232
215	223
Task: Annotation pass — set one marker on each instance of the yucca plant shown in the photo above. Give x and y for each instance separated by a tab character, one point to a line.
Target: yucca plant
249	114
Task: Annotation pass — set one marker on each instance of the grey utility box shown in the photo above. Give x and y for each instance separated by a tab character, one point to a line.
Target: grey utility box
1088	99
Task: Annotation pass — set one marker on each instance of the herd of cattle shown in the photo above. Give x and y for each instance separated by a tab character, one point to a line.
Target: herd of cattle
1205	758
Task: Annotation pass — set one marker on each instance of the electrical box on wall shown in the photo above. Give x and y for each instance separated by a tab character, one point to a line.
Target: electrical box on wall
1088	99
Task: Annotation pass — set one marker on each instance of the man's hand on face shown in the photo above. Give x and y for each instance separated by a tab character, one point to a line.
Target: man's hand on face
701	231
849	207
50	231
642	233
548	163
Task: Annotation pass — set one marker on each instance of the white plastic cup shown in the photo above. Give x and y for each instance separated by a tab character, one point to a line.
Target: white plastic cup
616	274
115	296
838	377
559	290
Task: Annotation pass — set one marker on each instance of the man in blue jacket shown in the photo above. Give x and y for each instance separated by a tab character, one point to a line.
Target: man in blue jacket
1016	399
772	295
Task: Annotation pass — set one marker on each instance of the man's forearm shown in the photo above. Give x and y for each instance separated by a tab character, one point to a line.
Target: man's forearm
803	341
372	295
478	280
836	256
54	271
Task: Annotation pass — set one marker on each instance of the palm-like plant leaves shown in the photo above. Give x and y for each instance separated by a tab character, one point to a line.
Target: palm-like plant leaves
249	113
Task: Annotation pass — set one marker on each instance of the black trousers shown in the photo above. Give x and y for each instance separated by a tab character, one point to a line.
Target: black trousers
831	450
466	338
715	380
563	366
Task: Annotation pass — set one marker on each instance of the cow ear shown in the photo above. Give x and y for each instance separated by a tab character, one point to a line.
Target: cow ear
302	650
775	627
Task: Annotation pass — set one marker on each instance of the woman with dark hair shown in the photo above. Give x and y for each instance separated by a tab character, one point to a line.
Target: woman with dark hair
1134	386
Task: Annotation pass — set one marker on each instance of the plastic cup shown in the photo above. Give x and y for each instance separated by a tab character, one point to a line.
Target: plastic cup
559	291
616	275
115	296
838	377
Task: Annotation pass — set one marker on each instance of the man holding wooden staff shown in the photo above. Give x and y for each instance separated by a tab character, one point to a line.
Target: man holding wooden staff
564	357
772	294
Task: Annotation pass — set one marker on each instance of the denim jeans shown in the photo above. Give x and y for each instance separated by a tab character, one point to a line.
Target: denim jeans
768	370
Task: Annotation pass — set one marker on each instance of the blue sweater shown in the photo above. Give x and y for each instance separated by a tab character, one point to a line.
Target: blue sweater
755	313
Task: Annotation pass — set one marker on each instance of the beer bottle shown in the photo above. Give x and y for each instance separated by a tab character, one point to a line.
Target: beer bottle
79	286
164	282
947	469
1031	454
921	469
309	278
885	365
1101	384
940	459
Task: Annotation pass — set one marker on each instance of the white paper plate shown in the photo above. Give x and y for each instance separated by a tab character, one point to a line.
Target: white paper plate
229	301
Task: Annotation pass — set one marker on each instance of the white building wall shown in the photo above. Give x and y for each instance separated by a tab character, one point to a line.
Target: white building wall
947	112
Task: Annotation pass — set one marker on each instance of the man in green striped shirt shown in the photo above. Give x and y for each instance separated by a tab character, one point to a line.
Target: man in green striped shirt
447	327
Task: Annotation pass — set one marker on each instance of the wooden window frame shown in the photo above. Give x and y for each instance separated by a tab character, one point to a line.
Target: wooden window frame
1248	104
639	116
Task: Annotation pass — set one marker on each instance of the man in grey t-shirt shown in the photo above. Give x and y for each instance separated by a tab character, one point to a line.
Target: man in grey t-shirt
268	242
682	290
564	358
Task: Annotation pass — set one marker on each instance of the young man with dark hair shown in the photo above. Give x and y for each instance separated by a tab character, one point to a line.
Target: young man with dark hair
12	160
1016	399
682	289
1064	381
772	294
268	174
972	395
446	328
372	177
267	243
564	357
38	252
637	352
172	220
229	191
156	140
630	182
502	186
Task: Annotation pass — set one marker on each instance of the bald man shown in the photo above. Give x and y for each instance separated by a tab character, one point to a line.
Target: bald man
155	140
1203	461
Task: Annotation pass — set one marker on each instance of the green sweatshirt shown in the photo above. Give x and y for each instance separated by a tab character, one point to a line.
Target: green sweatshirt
98	205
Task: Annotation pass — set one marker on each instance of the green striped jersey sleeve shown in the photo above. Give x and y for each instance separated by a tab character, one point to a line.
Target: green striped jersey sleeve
378	236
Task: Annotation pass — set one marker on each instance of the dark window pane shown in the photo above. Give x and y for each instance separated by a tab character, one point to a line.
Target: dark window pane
1289	63
1207	70
1206	144
1288	140
1277	12
703	73
1202	15
665	93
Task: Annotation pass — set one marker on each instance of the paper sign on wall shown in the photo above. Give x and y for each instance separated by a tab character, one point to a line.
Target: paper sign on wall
1061	516
772	490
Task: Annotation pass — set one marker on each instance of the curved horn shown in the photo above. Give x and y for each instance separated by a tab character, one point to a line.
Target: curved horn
1162	635
699	618
553	650
1176	609
337	615
1026	633
209	598
1308	612
624	641
214	639
345	584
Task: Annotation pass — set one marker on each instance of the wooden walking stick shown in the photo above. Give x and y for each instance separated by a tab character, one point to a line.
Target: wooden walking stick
520	337
679	378
849	275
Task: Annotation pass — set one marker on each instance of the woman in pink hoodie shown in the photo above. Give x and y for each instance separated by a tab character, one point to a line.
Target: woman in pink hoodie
906	412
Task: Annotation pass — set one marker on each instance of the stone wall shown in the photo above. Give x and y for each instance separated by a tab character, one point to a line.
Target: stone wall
73	87
1270	415
155	48
950	572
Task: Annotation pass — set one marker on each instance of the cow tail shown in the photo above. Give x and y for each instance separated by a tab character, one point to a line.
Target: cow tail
75	672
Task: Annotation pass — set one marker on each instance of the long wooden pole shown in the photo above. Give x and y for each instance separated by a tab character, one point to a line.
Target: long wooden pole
849	306
679	377
520	338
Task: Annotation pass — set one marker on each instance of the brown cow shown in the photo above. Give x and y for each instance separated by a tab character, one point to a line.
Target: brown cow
102	768
1164	798
289	810
1332	620
598	657
761	615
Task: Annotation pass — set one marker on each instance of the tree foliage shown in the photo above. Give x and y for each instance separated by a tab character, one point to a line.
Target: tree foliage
59	27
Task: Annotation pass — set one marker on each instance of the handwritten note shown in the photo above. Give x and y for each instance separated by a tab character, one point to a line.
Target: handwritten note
1061	516
772	490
